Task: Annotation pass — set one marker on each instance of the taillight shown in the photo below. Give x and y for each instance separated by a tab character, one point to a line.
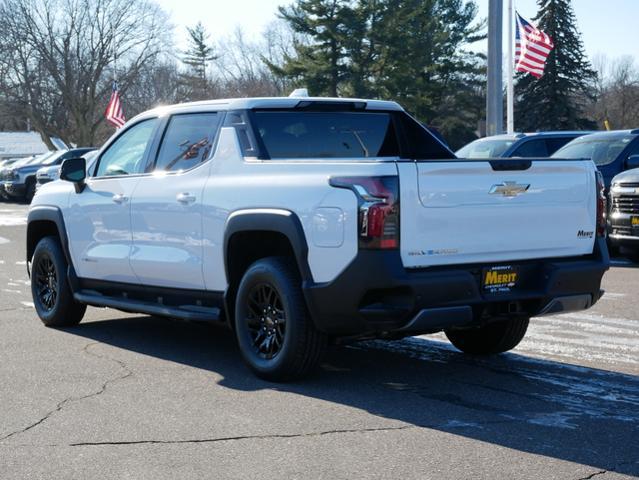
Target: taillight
601	205
378	204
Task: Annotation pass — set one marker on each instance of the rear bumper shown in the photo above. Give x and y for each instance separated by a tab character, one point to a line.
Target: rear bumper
375	295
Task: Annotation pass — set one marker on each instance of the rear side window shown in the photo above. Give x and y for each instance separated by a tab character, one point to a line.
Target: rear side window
187	141
531	148
555	143
335	135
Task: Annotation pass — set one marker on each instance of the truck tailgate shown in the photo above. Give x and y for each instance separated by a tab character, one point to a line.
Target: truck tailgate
457	212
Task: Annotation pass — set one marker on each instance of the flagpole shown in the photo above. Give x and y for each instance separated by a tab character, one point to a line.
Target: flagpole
510	89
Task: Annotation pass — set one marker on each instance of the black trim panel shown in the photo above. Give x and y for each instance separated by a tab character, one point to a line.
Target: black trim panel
375	295
172	302
48	214
286	223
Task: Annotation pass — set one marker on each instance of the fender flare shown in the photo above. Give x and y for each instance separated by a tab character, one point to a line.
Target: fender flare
51	214
272	220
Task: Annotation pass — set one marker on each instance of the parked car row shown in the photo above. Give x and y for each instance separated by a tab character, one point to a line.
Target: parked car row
615	153
19	177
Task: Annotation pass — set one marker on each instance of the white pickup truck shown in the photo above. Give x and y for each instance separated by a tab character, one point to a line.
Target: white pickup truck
301	221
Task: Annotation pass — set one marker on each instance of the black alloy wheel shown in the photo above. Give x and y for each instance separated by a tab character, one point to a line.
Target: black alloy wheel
46	280
266	320
275	332
52	295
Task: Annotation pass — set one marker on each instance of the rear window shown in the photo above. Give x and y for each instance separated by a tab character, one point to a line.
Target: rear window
294	134
531	148
300	135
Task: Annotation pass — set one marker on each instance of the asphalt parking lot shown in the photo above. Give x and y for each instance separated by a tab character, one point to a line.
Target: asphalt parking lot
128	396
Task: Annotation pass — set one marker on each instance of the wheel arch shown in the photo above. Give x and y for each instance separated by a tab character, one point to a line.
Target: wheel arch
257	233
44	221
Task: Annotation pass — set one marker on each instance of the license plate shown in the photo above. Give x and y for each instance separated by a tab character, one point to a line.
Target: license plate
500	279
634	221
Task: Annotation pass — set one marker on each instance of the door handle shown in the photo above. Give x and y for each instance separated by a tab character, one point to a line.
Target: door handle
185	197
120	198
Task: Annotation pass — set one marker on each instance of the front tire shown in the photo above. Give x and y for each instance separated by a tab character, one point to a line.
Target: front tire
275	333
30	191
489	339
52	296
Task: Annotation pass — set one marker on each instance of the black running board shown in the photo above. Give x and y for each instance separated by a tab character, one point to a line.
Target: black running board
186	312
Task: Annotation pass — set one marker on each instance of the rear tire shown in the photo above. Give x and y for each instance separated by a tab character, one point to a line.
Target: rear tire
275	333
52	296
496	337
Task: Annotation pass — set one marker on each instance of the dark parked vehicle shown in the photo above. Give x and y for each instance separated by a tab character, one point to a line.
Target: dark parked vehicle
527	145
20	181
613	152
6	166
623	220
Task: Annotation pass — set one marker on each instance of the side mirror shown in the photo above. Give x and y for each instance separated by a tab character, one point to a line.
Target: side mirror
632	162
74	170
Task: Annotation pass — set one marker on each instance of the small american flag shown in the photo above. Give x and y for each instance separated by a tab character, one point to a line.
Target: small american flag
532	47
113	113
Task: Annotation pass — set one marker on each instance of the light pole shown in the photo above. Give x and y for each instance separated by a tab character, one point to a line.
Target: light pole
494	93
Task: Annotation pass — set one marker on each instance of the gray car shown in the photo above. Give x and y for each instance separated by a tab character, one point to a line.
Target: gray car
52	172
623	219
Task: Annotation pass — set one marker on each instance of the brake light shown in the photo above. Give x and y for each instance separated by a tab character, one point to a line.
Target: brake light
601	205
378	209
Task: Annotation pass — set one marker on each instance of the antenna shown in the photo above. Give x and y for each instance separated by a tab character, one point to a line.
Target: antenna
299	92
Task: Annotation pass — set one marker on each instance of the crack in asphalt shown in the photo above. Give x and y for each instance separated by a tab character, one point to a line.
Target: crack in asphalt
592	475
245	437
126	373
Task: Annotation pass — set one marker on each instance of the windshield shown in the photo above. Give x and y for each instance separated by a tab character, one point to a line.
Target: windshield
600	149
32	160
484	148
52	159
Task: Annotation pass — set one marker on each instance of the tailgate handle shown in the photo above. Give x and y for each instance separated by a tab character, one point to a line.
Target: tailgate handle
510	164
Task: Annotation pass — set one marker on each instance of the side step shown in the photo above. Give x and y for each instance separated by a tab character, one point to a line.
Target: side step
185	312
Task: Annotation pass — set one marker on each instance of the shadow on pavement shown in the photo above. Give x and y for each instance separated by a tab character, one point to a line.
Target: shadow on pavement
568	412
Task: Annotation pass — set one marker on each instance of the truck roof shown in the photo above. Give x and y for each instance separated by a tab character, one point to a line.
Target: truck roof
269	102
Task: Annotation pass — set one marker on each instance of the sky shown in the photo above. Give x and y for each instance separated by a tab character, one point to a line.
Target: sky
609	27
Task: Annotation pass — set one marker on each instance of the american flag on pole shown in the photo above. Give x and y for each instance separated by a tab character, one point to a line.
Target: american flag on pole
113	113
532	47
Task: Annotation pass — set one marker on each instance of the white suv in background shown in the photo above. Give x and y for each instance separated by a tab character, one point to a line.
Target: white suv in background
299	221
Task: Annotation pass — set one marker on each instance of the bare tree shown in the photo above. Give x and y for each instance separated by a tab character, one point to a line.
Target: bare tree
59	58
242	68
618	92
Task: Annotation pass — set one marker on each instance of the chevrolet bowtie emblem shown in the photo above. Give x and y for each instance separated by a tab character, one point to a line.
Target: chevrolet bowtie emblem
509	189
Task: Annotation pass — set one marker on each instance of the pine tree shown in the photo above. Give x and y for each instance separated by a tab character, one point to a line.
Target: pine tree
197	58
557	100
319	61
411	51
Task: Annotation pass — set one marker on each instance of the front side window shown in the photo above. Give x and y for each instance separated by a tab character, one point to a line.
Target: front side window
188	141
301	135
125	156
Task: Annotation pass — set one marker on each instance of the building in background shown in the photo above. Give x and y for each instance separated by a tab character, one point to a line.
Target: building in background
25	144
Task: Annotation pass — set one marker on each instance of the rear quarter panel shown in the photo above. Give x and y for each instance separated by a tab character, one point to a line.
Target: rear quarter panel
328	215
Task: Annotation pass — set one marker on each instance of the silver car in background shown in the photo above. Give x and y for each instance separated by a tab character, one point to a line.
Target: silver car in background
52	173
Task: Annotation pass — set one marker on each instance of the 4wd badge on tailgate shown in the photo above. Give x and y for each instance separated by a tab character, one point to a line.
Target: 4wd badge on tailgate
500	278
